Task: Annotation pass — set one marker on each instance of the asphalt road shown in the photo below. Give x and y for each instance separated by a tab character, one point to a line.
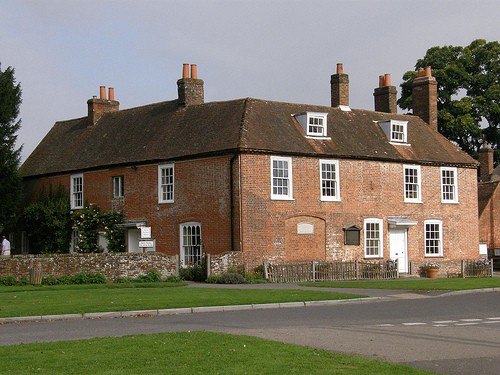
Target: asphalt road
451	334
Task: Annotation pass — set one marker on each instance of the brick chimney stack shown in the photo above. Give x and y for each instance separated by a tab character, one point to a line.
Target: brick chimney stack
189	87
485	162
97	107
385	95
340	87
424	93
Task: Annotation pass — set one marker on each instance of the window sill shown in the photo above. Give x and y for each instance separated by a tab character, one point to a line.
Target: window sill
282	199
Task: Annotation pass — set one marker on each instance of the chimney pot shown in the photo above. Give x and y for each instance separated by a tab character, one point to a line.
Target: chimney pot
102	92
387	79
420	72
340	68
194	71
428	71
185	70
111	93
381	81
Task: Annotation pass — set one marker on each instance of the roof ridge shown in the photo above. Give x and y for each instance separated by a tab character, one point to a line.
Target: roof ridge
243	131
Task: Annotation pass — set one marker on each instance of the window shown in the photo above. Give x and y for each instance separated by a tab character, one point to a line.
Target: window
77	191
281	178
449	188
396	131
166	183
191	246
75	240
412	184
433	238
118	187
313	123
373	238
330	187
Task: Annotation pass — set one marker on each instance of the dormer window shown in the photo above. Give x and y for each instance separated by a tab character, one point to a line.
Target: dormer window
313	123
396	131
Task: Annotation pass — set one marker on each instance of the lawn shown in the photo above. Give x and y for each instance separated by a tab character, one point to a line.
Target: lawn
70	299
414	284
185	353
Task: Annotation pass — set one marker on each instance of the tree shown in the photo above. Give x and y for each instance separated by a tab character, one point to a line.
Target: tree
48	222
10	181
468	93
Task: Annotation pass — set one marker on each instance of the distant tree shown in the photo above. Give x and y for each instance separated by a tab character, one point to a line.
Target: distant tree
10	181
468	93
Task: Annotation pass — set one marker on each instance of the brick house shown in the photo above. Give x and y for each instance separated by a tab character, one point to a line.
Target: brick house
273	181
489	202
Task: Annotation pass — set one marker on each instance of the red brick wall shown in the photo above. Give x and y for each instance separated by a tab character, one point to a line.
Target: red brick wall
368	189
489	220
202	195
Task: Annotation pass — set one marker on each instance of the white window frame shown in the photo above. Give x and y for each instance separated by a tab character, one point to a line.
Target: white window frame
118	188
427	239
321	124
76	191
326	179
187	245
417	184
378	240
388	128
276	178
446	187
166	189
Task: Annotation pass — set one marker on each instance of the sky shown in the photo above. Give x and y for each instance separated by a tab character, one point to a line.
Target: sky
281	50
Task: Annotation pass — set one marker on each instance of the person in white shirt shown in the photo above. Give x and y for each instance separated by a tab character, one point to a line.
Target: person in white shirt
5	246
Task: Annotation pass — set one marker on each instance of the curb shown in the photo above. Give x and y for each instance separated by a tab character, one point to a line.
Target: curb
180	310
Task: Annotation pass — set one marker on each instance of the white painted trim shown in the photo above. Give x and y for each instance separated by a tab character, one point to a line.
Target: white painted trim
335	198
380	223
288	196
419	177
160	192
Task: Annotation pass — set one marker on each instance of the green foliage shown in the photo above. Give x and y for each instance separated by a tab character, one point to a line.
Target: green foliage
468	93
81	278
196	272
10	180
89	220
48	222
8	281
152	276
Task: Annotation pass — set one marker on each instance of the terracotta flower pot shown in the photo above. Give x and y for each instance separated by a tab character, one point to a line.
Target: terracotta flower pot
432	273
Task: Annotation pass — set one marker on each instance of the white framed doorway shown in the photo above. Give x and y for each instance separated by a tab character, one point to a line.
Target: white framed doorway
398	245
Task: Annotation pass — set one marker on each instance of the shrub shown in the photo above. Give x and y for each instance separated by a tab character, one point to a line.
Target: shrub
213	278
255	278
197	272
152	276
231	278
8	281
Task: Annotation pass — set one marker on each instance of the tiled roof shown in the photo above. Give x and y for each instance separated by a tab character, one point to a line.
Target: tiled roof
165	131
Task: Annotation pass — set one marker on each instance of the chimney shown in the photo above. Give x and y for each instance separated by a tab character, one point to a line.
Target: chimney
385	95
97	107
189	87
340	87
485	162
424	93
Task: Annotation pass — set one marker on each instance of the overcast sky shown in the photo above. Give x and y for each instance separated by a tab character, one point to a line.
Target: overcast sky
283	50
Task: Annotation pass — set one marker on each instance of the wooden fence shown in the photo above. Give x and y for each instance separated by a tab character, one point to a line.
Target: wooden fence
330	271
477	268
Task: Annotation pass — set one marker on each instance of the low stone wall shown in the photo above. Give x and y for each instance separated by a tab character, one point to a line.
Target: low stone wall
111	265
223	262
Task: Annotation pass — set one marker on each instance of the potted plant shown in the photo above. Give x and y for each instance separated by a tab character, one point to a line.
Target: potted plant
431	269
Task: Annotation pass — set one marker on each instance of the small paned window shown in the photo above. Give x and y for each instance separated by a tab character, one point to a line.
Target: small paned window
316	126
449	188
373	238
191	245
330	187
166	183
412	183
118	187
313	123
396	131
433	238
281	178
76	191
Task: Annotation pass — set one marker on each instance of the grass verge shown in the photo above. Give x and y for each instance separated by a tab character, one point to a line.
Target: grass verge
185	353
71	299
414	284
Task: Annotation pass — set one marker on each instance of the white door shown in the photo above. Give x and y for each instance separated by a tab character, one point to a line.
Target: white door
133	240
398	247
